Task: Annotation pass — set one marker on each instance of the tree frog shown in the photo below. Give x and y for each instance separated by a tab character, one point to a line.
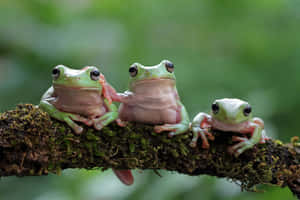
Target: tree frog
152	98
229	115
82	96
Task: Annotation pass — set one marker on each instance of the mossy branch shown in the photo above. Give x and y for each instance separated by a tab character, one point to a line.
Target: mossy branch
33	144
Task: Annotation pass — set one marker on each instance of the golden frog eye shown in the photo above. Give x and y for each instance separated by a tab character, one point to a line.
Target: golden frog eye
95	75
215	108
169	66
55	73
133	70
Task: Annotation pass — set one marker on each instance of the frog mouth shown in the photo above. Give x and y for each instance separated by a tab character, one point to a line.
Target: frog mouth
64	87
154	80
235	127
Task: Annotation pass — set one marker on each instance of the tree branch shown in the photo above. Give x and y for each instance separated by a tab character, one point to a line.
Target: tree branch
33	144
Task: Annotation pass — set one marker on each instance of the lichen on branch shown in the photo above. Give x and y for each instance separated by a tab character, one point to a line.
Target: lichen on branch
33	144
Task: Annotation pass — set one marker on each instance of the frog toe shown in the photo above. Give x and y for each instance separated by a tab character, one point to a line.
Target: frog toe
239	148
121	123
77	129
84	120
193	144
171	134
98	126
158	129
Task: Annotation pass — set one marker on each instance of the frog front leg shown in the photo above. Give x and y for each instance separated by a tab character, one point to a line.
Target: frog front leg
261	123
256	131
69	118
176	129
200	125
108	117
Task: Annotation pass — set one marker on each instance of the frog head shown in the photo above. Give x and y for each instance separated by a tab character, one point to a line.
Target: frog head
231	111
164	70
88	77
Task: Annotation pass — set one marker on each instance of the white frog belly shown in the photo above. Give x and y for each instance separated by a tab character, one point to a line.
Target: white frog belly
152	103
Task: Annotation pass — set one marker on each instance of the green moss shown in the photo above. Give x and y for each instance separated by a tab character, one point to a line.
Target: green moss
42	145
132	147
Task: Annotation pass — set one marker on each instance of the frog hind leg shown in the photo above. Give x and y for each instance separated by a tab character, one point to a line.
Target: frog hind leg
245	143
125	176
176	129
63	116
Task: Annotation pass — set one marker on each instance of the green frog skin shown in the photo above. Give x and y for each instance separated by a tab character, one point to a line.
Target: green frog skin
229	115
83	96
152	98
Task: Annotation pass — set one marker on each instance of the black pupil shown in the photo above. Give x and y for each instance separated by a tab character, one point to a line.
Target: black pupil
215	108
55	71
132	69
95	73
247	110
170	65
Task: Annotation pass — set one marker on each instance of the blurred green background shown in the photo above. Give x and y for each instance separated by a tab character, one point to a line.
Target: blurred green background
248	49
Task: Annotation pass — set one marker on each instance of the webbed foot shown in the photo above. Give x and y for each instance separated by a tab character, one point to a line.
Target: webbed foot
121	123
106	119
70	118
243	145
175	129
197	131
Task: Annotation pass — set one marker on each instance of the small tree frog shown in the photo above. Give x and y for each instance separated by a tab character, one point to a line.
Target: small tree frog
80	95
83	96
152	98
229	115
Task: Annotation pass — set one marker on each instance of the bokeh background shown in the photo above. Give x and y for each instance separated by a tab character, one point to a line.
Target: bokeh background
248	49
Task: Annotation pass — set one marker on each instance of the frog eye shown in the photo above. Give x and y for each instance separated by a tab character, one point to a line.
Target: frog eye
247	110
215	108
95	75
133	70
55	73
169	66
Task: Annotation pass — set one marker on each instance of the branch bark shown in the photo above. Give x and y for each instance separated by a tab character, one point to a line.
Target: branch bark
33	144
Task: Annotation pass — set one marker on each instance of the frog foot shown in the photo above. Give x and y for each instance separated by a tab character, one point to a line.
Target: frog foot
264	138
175	129
121	123
125	176
244	144
199	132
70	118
98	123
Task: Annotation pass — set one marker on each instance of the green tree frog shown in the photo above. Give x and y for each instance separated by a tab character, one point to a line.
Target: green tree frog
229	115
82	96
152	98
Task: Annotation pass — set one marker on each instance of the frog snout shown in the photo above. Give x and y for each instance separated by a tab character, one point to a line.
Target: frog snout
230	118
72	79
